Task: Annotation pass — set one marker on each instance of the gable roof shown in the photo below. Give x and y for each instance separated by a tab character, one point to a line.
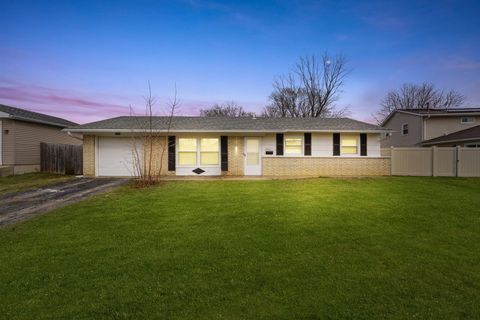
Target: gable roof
227	124
434	112
30	116
469	134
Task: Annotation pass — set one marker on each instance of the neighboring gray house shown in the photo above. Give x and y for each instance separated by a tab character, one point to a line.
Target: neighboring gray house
469	138
22	131
412	127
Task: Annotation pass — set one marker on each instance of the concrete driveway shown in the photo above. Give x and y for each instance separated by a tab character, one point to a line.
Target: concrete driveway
24	205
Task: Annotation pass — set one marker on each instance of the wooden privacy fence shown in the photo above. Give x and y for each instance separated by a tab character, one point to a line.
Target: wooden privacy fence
435	161
61	158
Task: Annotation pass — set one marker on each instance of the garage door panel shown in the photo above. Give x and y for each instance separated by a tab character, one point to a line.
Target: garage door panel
115	157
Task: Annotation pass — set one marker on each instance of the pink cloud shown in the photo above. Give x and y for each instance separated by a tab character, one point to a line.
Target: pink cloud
87	107
62	103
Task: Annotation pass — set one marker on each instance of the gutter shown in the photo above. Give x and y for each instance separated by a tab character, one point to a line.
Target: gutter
37	121
426	143
220	131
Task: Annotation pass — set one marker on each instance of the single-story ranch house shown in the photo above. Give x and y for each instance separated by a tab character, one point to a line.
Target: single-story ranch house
214	146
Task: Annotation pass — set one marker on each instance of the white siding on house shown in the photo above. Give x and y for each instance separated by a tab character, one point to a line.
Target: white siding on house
373	145
269	143
322	144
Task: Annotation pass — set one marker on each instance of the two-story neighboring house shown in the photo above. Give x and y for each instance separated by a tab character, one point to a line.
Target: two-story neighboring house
428	127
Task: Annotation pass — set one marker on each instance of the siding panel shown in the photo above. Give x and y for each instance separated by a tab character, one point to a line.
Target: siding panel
27	139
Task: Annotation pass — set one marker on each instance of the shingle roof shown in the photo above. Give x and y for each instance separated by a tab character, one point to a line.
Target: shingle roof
25	115
472	133
218	124
443	111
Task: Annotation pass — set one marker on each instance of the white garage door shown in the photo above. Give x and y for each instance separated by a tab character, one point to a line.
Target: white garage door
115	157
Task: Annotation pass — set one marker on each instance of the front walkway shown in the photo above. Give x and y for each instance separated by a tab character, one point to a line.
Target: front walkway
24	205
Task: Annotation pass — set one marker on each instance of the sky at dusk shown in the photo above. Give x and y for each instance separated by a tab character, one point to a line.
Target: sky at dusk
90	60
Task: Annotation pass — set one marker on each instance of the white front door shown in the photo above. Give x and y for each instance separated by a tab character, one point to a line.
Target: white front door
253	163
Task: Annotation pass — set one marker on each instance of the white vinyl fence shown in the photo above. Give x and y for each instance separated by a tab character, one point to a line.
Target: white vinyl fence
435	161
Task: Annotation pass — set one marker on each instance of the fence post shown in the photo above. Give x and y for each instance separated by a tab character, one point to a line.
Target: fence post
457	159
391	160
434	155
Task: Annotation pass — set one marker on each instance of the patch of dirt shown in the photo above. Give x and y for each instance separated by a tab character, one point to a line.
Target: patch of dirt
24	205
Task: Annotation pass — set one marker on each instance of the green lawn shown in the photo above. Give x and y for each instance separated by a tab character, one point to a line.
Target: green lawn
396	248
29	180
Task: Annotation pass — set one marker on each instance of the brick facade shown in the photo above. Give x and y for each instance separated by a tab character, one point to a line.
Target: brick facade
89	155
328	166
159	146
271	166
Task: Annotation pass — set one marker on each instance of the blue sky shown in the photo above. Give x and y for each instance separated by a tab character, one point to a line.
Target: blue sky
88	60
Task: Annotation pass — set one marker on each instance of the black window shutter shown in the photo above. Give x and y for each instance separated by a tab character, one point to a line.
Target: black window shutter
307	144
279	144
171	153
336	144
363	144
224	152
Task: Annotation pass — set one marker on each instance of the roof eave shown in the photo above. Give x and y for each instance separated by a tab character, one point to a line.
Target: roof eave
425	143
400	111
453	114
218	131
37	121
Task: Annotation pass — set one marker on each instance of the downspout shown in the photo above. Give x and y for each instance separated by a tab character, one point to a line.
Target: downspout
71	135
424	131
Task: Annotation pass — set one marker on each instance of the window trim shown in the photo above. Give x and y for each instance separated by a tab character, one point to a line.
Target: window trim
302	145
199	160
467	122
357	154
178	151
198	153
403	129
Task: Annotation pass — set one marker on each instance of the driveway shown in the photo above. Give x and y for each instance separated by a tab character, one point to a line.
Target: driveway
24	205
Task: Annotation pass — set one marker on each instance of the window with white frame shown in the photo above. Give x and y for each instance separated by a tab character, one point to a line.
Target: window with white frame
198	151
349	144
187	151
293	145
466	120
209	151
404	129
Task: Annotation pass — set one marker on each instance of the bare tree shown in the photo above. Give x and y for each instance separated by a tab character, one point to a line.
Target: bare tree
229	109
145	139
423	96
310	89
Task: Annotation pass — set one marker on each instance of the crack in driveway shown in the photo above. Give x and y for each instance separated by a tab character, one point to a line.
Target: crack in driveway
24	205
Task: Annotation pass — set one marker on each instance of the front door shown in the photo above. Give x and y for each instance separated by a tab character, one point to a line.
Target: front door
253	163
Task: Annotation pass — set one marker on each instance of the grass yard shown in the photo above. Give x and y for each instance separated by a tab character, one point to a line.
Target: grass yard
29	180
395	248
